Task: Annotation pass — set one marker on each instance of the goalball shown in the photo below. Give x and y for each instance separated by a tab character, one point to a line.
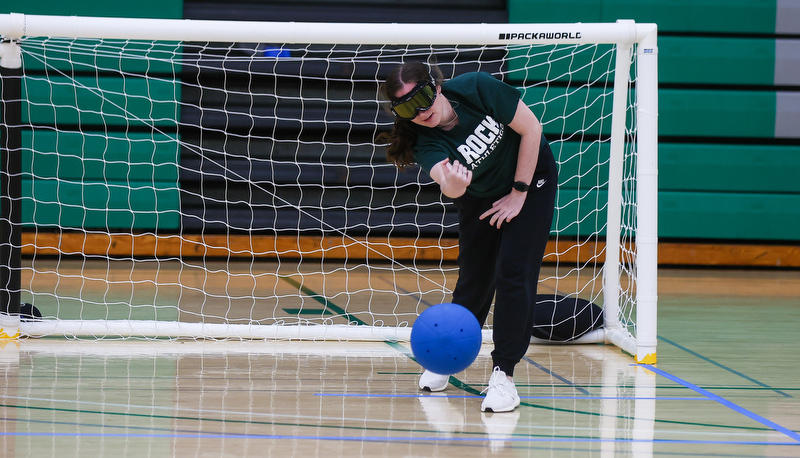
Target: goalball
446	338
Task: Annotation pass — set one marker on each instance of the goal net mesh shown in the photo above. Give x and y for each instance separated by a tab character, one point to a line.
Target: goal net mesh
235	190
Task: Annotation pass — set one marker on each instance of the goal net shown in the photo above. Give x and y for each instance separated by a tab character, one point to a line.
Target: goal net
214	179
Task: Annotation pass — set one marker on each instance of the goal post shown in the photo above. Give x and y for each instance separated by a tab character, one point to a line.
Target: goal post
10	167
220	179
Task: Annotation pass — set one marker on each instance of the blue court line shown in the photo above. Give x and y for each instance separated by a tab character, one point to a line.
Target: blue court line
733	406
722	366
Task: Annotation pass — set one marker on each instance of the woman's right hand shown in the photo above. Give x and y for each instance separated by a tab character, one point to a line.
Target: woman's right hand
453	178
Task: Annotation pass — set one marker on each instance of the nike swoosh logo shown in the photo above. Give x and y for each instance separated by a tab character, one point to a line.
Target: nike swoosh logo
541	182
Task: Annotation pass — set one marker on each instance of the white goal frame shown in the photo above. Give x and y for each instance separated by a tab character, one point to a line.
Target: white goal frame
627	36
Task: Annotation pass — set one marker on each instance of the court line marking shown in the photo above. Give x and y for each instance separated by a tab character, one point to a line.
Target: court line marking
571	439
257	417
726	368
407	352
729	404
706	393
532	439
156	430
556	376
558	398
322	300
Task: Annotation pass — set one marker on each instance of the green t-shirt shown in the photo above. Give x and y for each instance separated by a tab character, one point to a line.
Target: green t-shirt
482	139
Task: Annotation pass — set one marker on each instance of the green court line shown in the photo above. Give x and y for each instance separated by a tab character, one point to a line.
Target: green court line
328	305
172	432
202	419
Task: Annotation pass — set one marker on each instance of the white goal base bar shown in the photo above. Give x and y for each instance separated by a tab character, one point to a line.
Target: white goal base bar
177	330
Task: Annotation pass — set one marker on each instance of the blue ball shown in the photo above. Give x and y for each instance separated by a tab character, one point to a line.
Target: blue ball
446	338
276	52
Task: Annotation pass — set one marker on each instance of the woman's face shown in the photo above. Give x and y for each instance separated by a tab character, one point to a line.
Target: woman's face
431	117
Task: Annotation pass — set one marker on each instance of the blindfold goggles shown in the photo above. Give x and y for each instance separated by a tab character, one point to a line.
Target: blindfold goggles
420	98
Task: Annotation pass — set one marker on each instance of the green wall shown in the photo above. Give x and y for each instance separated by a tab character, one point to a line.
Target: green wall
118	173
162	9
729	120
729	110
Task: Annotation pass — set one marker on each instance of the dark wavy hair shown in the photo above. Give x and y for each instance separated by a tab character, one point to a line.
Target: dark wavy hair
400	149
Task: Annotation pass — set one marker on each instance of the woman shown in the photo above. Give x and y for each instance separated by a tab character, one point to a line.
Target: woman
485	149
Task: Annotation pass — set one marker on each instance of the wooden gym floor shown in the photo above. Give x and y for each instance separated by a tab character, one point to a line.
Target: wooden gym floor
727	383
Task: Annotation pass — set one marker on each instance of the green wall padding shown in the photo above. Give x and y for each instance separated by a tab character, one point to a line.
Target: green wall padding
682	112
113	180
156	9
119	56
729	168
104	101
105	176
716	113
721	16
581	165
134	156
716	60
107	205
729	126
730	216
563	110
574	218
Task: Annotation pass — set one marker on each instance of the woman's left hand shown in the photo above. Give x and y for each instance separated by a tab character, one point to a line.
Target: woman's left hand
505	209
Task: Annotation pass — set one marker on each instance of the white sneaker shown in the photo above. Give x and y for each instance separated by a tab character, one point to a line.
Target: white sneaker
501	394
429	381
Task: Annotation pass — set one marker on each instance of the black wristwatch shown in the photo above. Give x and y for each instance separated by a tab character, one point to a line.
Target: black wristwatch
521	186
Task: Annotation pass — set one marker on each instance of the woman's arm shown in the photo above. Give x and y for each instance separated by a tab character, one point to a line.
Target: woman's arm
529	128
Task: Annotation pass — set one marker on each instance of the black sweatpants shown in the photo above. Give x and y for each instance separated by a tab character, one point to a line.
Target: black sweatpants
504	264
